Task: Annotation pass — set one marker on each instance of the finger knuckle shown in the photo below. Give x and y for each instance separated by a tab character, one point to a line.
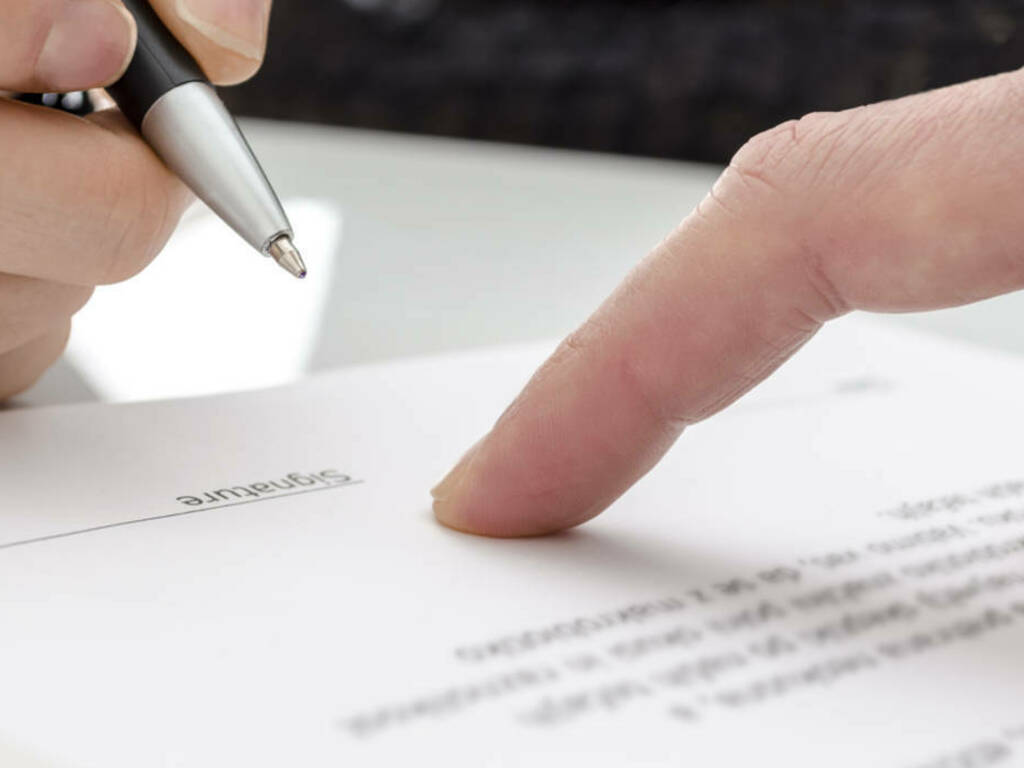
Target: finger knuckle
22	368
73	298
28	308
758	160
797	154
141	208
20	382
825	299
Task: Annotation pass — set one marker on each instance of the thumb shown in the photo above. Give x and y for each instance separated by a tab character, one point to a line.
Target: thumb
905	205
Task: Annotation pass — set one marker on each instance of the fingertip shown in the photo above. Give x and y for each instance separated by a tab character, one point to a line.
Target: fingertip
118	52
227	37
90	43
448	496
490	528
227	69
502	518
482	496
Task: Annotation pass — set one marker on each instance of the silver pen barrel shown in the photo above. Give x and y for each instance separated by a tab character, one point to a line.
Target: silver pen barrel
195	135
166	95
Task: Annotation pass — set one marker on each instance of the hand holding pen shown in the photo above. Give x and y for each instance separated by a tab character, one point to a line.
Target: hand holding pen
85	202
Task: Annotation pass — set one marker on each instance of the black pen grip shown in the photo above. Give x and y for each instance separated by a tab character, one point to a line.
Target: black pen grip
159	65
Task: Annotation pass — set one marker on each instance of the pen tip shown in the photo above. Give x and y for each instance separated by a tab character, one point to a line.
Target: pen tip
287	256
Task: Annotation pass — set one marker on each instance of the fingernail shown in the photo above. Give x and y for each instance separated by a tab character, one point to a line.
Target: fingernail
445	491
90	43
237	25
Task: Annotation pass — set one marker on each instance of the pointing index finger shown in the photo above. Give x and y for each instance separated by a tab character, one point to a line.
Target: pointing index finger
696	325
905	205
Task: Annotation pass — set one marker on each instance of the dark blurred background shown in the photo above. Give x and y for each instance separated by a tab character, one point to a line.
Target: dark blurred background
679	79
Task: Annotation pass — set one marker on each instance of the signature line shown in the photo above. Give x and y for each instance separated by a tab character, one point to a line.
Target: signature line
168	516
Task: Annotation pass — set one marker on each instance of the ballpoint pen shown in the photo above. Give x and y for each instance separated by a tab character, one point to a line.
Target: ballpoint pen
168	98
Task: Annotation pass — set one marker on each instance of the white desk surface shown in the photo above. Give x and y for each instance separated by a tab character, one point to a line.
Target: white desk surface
416	246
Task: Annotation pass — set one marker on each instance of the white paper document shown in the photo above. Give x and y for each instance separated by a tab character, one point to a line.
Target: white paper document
830	573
